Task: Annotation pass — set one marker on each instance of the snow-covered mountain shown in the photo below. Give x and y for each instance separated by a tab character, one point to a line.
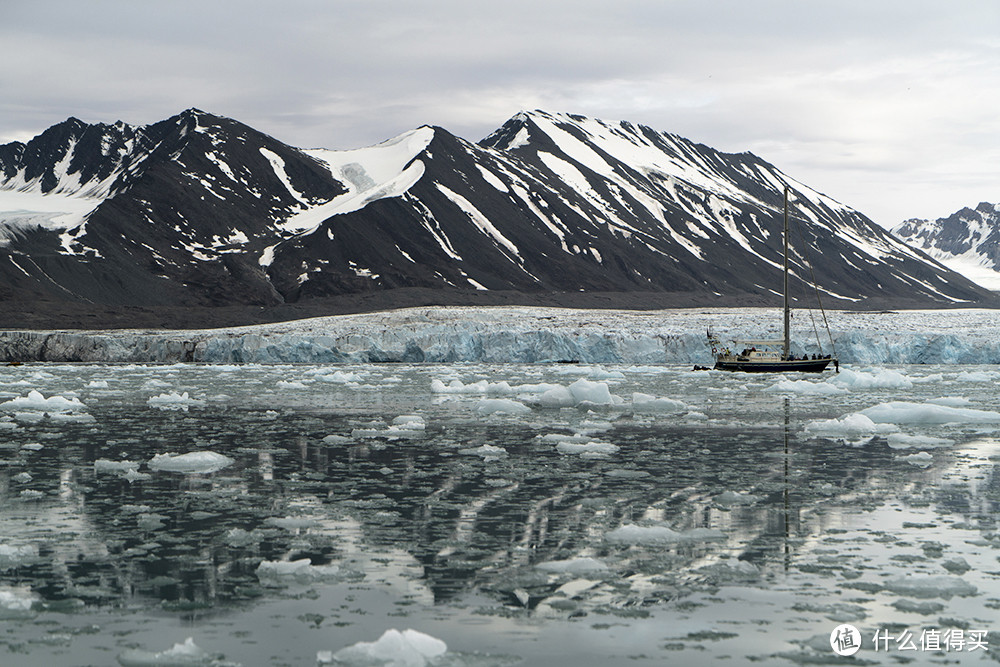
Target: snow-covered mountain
967	241
203	211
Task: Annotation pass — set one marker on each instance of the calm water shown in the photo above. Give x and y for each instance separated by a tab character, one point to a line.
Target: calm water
720	531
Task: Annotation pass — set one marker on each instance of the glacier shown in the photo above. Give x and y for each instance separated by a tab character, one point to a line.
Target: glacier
515	334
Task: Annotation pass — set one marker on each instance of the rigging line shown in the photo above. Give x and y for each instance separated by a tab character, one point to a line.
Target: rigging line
812	275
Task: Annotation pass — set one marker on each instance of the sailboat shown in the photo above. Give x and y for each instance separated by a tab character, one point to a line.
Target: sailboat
770	356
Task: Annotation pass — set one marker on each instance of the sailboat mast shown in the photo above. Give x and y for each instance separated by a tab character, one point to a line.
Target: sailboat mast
787	311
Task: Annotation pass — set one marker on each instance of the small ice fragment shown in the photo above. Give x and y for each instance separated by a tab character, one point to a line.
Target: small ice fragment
32	446
951	401
97	384
730	498
904	441
16	603
174	401
488	452
22	477
649	403
336	439
180	655
928	607
192	462
930	586
920	459
508	406
593	448
35	401
956	565
575	566
408	648
106	465
15	556
658	534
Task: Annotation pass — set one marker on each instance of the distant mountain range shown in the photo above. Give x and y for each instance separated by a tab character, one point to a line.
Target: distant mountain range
967	241
200	219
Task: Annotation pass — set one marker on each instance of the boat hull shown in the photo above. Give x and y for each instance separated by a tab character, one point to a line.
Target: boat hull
774	366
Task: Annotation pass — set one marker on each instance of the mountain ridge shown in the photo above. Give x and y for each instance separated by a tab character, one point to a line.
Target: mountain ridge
204	213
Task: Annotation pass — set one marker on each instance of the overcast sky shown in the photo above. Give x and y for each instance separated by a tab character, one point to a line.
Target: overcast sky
889	106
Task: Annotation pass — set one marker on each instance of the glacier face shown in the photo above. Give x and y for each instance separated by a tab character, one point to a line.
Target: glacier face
530	335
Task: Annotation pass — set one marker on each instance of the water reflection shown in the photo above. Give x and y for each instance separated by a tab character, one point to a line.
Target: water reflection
683	508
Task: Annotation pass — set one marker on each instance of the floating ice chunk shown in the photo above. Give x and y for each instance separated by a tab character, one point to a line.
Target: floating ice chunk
508	406
22	477
593	392
488	452
931	586
31	494
731	571
878	378
957	565
659	534
300	571
920	459
133	475
649	403
33	446
173	401
406	426
904	441
574	566
977	376
97	384
107	465
36	402
180	655
336	439
16	603
904	412
915	607
411	421
806	388
556	397
457	387
290	384
16	556
951	401
852	426
293	523
340	377
731	498
408	648
192	462
587	449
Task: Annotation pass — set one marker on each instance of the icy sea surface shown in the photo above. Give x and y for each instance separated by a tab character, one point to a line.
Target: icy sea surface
463	514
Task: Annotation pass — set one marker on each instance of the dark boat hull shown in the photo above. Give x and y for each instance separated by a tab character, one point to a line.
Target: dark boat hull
795	366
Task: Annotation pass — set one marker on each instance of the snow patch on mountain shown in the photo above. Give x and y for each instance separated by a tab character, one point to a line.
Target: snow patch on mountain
388	169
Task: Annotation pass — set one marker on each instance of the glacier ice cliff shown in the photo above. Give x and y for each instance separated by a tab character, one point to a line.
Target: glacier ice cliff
527	335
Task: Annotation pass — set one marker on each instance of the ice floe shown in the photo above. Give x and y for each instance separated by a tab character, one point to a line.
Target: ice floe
930	586
180	655
905	412
574	566
301	571
192	462
659	534
593	448
174	401
488	406
409	648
